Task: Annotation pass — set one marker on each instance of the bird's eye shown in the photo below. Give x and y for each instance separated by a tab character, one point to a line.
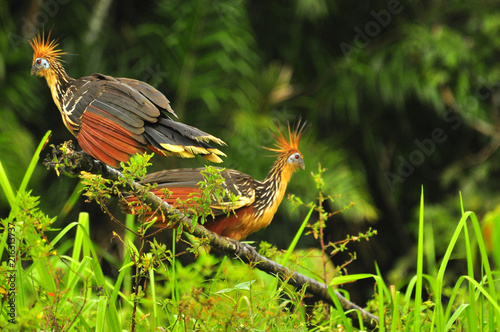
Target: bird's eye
294	158
43	63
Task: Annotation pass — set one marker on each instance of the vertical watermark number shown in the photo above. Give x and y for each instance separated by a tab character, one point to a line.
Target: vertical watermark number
11	271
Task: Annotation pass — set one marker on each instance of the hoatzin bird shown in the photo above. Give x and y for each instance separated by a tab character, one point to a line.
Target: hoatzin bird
115	118
257	200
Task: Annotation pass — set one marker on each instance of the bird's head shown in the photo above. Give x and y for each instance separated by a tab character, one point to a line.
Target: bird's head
45	57
287	148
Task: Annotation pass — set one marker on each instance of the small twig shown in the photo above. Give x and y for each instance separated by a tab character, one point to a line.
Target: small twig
73	163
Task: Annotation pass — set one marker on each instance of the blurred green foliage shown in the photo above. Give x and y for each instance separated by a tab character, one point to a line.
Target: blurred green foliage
375	79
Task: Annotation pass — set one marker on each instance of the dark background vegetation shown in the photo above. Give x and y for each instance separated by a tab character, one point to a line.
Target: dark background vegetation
397	94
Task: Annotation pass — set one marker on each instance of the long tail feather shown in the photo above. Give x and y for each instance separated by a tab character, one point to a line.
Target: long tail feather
169	137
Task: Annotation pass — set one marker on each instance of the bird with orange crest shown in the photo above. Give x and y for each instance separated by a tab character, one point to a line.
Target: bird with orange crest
115	118
256	201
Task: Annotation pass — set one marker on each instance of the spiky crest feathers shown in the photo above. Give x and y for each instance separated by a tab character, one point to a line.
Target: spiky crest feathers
45	48
284	145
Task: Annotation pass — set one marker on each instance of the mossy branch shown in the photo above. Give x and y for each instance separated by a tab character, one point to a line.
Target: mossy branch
66	161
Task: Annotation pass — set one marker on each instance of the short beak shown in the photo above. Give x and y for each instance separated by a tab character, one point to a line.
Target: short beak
301	164
34	70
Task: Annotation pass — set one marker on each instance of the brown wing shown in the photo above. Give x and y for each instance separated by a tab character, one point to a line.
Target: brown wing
182	183
116	118
155	96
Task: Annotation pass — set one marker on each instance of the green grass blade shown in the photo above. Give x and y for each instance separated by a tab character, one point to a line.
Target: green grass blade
420	266
125	275
101	315
395	323
338	306
470	258
484	257
61	234
473	320
71	201
153	296
430	250
381	289
409	292
290	249
129	237
5	233
84	323
484	260
470	320
81	231
112	320
296	238
21	274
34	161
454	293
380	286
455	316
7	188
82	238
46	280
444	264
173	283
470	265
217	275
84	244
79	275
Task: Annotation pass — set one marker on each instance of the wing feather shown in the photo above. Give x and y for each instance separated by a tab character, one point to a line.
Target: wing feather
155	96
169	136
128	121
235	182
142	107
106	141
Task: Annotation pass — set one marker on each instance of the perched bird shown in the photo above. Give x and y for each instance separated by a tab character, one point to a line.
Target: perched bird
115	118
257	200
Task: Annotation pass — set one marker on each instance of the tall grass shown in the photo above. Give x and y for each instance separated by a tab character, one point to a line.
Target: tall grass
60	284
471	303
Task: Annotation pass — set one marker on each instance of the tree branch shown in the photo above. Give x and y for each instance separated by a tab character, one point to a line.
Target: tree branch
66	161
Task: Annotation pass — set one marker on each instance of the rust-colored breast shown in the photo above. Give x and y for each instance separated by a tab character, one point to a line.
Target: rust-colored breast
236	226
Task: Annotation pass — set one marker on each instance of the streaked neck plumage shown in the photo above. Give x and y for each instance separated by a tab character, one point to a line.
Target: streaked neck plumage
271	191
58	82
